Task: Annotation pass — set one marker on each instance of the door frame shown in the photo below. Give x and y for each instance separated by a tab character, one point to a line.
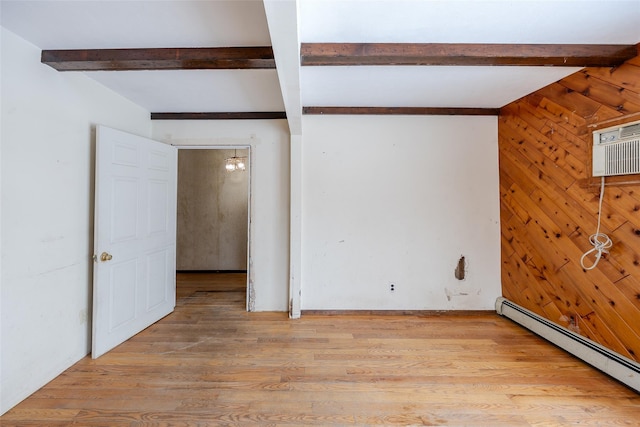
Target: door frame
250	302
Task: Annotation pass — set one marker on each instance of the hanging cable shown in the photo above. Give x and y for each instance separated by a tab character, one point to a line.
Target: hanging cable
600	241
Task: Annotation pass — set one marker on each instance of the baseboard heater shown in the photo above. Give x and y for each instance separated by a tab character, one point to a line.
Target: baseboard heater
614	364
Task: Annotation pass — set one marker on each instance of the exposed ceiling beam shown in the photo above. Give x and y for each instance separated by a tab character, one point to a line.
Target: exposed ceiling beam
408	111
566	55
255	115
160	59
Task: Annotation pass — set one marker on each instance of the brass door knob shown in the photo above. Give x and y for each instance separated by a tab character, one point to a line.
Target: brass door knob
105	257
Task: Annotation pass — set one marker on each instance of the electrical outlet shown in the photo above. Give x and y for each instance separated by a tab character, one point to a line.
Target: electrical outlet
392	287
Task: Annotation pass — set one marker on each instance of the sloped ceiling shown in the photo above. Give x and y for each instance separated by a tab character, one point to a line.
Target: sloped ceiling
158	24
530	22
184	23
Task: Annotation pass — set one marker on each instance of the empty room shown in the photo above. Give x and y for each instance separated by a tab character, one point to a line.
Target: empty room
320	212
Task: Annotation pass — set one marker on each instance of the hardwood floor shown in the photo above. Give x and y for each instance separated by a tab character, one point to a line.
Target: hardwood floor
211	363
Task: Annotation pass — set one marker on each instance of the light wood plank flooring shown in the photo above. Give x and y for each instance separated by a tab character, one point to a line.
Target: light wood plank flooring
211	363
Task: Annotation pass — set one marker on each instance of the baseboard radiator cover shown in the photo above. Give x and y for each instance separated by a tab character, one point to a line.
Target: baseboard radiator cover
611	363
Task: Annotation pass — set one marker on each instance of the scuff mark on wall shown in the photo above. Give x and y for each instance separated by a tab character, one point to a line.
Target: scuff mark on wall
83	316
251	293
75	264
251	303
462	291
51	239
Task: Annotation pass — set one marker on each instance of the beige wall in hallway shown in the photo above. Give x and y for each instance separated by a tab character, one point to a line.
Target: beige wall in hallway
212	211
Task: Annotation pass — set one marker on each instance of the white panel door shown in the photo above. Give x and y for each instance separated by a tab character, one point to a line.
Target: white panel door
134	276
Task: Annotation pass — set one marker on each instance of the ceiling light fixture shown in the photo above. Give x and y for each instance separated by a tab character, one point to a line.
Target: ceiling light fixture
236	163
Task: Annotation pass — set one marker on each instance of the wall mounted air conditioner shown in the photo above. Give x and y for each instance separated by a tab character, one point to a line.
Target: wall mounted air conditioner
616	150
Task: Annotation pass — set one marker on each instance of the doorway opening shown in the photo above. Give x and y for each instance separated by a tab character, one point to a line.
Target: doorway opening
213	216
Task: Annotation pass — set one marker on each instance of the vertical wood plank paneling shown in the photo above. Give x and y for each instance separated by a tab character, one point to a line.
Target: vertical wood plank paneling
548	213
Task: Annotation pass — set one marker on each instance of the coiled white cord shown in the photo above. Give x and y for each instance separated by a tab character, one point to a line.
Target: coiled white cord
600	241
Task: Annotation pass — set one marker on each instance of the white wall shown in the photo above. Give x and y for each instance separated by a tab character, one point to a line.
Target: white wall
48	121
398	199
269	188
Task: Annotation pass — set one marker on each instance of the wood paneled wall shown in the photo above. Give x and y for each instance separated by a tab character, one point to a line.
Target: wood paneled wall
549	206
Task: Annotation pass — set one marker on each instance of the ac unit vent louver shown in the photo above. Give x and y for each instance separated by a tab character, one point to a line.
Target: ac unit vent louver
622	158
616	151
629	131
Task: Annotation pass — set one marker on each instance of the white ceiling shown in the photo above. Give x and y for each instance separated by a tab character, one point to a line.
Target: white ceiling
154	24
452	21
470	21
192	91
410	86
184	23
95	24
